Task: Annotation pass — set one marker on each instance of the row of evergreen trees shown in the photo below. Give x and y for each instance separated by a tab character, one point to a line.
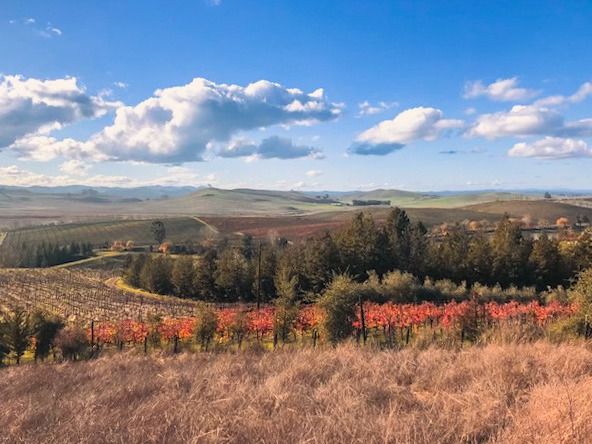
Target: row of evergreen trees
230	272
18	329
44	254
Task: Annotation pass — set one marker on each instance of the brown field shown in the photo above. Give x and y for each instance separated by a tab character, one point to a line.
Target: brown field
299	227
531	393
535	209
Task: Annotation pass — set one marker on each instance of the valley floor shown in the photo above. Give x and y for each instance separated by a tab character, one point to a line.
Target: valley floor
531	393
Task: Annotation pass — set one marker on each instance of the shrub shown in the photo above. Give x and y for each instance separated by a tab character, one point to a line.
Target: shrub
207	323
400	286
72	342
286	310
339	304
46	328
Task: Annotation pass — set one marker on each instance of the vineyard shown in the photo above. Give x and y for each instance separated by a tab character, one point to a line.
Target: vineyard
82	296
388	324
112	316
180	229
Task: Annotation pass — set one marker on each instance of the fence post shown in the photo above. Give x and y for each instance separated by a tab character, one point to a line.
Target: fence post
363	320
92	334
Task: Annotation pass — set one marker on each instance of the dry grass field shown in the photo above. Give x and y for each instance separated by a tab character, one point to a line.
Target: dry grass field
531	393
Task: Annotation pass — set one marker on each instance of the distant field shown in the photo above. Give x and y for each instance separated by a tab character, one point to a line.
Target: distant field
536	209
298	227
179	229
425	200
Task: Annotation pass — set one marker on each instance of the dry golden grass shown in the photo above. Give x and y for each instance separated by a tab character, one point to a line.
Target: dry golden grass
537	393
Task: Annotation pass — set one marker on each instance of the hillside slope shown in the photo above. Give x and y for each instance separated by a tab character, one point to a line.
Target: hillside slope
510	394
214	201
179	229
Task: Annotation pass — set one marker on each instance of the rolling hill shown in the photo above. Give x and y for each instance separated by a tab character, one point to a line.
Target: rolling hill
215	201
180	229
408	199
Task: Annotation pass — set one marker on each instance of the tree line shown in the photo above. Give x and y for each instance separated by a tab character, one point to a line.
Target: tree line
365	249
44	254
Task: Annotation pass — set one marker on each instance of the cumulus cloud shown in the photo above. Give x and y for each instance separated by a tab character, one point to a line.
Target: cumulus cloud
273	147
43	148
414	124
314	173
29	106
527	120
179	123
365	108
14	176
502	90
583	92
552	148
75	168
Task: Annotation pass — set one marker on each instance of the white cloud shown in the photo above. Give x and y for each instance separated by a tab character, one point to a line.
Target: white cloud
414	124
177	124
75	168
502	90
48	31
528	120
15	176
367	109
552	148
54	30
314	173
520	120
121	85
583	92
43	148
29	106
273	147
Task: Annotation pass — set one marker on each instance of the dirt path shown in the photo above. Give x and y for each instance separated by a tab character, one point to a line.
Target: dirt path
99	257
212	228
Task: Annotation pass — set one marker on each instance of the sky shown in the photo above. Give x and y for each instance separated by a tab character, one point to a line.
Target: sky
306	95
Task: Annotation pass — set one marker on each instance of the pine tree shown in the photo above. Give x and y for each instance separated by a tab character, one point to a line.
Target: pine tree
233	276
17	332
286	309
183	276
545	263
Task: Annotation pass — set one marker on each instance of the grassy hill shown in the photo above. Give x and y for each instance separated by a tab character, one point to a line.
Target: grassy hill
214	201
178	229
503	394
409	199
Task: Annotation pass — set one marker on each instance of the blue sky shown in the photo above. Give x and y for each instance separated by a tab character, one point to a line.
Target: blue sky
297	95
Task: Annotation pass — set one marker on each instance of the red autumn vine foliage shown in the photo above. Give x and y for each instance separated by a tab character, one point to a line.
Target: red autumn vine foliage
532	311
181	328
239	322
309	318
260	321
